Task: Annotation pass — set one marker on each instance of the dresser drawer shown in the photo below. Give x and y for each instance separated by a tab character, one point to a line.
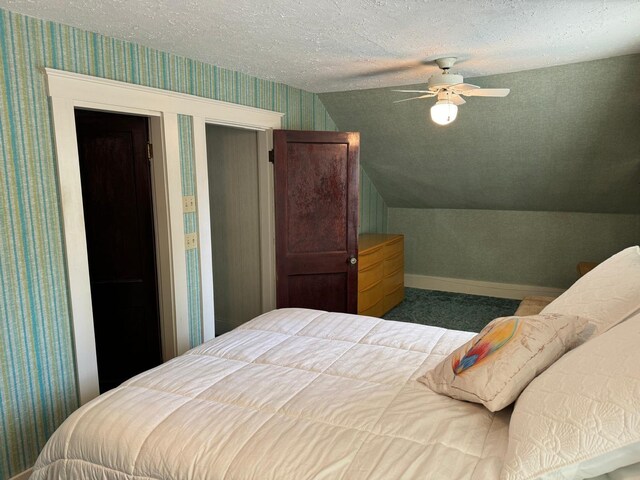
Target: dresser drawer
391	249
393	281
370	276
380	273
370	257
394	298
376	310
369	297
393	264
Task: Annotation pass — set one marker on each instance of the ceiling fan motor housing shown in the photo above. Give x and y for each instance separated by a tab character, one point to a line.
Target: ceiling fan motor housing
443	80
445	63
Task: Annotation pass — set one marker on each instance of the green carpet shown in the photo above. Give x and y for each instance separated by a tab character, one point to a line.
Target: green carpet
456	311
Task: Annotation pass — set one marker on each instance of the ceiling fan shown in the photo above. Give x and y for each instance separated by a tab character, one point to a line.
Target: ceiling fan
449	89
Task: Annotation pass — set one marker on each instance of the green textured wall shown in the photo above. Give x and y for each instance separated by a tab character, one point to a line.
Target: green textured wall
373	209
37	379
526	248
565	140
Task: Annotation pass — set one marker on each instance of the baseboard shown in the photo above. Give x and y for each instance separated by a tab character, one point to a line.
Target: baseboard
23	476
475	287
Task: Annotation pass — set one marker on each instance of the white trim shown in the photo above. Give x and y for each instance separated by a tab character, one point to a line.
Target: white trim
70	90
164	253
266	204
171	146
23	476
475	287
75	247
271	299
82	88
121	108
204	225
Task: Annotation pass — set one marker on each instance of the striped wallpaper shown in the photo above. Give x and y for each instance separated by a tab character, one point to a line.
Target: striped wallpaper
373	209
185	126
37	379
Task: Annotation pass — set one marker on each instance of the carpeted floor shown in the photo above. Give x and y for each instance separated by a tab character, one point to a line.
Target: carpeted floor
456	311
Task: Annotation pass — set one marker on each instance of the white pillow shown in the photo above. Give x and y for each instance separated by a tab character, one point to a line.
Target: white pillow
606	295
581	417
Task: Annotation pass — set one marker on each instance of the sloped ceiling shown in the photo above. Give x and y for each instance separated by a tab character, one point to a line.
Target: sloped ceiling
566	139
338	45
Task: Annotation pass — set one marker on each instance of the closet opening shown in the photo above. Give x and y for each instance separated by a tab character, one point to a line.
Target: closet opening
234	201
117	200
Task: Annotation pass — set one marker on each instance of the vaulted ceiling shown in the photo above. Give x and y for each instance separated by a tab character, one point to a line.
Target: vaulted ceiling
338	45
566	139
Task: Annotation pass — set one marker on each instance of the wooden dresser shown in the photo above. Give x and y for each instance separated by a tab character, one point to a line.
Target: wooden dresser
380	273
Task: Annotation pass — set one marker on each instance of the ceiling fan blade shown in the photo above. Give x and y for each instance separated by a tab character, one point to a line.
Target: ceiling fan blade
403	66
457	99
487	92
464	87
413	91
412	98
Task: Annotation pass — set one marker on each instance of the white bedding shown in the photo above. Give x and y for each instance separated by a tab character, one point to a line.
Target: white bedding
293	394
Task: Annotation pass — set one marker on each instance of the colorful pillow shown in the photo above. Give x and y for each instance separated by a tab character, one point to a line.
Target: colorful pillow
606	295
581	417
498	363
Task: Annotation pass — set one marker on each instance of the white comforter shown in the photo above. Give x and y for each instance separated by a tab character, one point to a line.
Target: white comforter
293	394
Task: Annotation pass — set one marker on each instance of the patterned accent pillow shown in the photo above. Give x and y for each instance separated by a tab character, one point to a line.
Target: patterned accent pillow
497	364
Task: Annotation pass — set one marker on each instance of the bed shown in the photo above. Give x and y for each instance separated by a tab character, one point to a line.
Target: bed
300	394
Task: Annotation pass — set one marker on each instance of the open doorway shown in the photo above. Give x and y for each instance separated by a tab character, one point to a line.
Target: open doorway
68	91
232	161
119	223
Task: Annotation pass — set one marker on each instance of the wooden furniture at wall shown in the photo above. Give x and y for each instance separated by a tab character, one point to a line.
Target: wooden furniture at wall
586	267
380	273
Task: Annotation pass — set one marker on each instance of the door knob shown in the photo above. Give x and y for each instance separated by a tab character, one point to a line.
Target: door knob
353	260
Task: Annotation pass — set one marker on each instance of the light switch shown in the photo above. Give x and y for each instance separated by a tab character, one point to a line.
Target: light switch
190	241
189	204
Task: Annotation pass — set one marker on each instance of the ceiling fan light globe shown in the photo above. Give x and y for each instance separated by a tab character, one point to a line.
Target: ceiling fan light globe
444	112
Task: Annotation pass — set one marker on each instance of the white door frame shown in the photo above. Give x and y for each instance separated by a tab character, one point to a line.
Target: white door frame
68	91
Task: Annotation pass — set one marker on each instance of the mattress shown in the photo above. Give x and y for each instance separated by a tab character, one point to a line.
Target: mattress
293	394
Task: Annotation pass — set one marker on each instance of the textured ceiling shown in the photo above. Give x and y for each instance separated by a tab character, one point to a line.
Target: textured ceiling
566	139
334	45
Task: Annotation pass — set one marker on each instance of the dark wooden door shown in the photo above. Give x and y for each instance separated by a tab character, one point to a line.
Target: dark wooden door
316	206
118	215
